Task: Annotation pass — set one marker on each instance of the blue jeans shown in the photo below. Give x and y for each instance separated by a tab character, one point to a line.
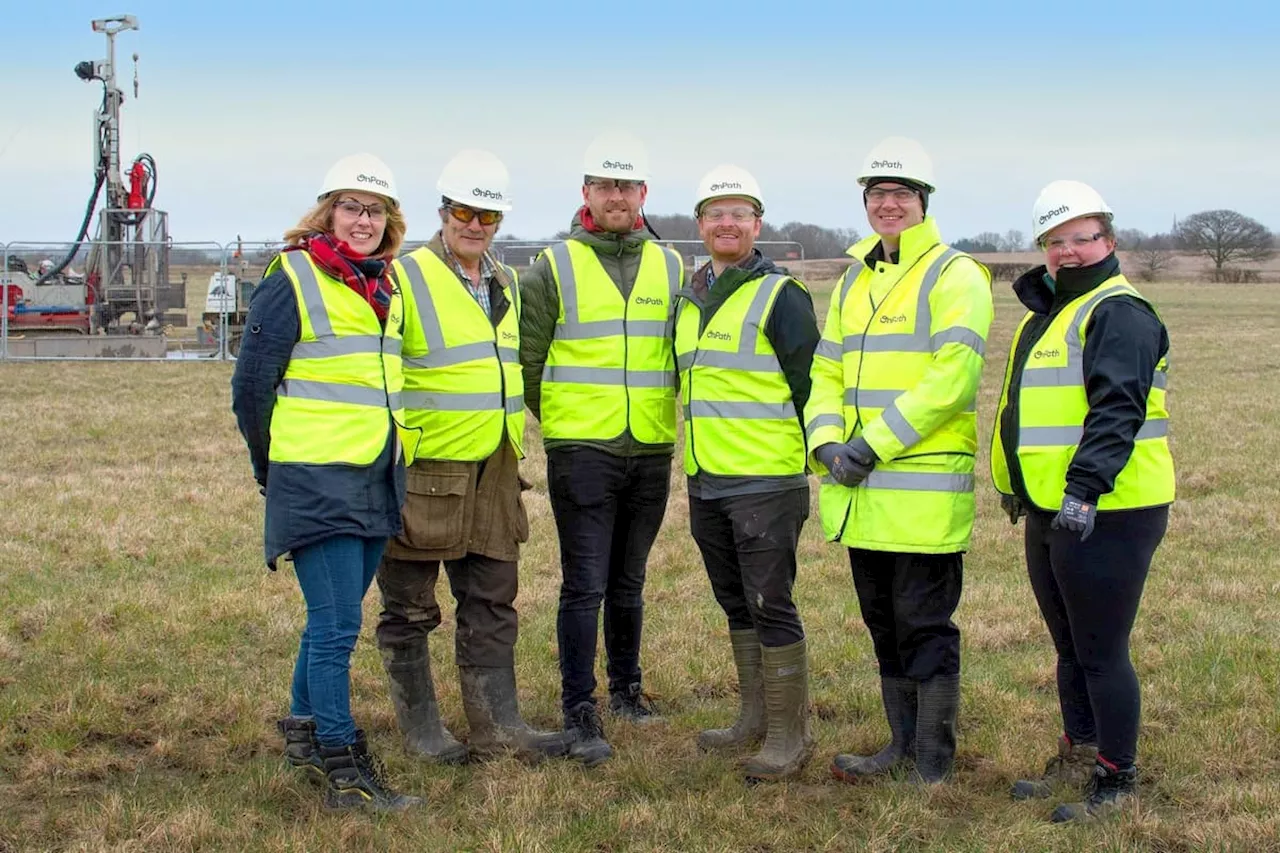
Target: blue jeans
334	574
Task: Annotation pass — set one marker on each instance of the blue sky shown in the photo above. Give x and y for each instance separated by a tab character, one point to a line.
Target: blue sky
1167	108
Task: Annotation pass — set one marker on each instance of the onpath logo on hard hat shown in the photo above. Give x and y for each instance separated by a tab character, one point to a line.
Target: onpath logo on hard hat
1057	211
618	164
489	194
726	185
886	164
373	179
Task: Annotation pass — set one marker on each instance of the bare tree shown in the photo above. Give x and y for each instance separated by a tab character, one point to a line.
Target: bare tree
1131	238
1013	241
1224	237
1152	261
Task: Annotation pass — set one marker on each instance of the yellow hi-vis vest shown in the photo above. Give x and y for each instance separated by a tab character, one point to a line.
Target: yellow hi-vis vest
919	499
610	366
739	418
462	382
342	386
1052	406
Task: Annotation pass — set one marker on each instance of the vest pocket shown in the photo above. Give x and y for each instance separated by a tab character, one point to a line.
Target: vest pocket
435	509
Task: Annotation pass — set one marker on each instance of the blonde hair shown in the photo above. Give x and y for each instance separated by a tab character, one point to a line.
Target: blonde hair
319	220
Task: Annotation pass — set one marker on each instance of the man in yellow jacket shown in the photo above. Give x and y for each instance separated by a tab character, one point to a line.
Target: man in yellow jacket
891	420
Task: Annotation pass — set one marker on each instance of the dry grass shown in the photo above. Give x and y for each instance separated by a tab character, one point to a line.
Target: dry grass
144	654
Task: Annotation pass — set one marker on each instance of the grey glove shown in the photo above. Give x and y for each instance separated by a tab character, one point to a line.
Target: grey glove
1076	516
856	461
826	454
1013	507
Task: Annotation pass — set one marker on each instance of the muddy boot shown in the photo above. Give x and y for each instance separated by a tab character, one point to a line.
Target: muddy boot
633	705
301	749
587	744
357	779
751	724
493	711
1072	766
414	696
1111	790
899	695
938	699
788	744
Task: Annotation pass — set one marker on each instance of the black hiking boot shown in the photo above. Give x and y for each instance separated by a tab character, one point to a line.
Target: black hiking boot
588	745
634	705
1073	766
1112	789
358	779
301	749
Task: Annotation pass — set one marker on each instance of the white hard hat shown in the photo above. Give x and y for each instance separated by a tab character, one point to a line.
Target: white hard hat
1061	201
616	155
728	180
898	158
362	173
477	179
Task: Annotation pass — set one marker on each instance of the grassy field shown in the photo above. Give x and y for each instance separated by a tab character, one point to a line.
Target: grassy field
145	653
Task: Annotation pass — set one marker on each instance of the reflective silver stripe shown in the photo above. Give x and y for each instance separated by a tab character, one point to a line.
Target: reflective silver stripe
898	425
586	331
828	350
1160	380
869	398
1069	436
919	481
674	267
515	405
568	283
645	328
820	421
850	276
428	317
685	361
959	335
740	410
443	402
608	376
450	356
508	355
351	345
915	341
754	318
334	392
750	362
1051	377
305	275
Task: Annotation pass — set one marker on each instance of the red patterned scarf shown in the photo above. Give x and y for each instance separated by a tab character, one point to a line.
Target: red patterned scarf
366	276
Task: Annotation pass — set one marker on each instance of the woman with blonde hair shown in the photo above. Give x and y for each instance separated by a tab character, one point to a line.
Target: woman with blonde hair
316	393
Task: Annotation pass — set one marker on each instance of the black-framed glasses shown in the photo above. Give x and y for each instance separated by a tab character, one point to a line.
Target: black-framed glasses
466	214
376	211
608	185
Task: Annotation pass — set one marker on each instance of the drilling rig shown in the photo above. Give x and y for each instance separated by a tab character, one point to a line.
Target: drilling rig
127	271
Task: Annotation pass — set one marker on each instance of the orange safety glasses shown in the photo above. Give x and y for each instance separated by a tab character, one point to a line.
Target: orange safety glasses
466	214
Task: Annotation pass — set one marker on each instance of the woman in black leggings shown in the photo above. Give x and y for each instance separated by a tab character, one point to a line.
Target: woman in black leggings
1081	449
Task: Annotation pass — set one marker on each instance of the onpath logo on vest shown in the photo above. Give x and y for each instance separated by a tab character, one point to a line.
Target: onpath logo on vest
493	195
509	336
619	165
1057	211
650	300
373	179
899	318
720	336
1047	353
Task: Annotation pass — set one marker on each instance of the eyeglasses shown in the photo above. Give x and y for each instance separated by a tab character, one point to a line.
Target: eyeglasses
737	214
376	211
466	214
1075	241
609	185
901	195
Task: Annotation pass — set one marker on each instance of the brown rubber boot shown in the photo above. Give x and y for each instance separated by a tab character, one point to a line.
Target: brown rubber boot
1072	766
788	744
900	708
752	723
493	711
414	696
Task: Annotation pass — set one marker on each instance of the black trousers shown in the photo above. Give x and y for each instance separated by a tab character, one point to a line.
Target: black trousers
485	590
608	510
907	601
1088	594
748	544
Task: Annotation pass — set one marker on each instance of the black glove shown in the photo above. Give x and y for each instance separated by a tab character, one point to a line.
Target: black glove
1013	507
1076	516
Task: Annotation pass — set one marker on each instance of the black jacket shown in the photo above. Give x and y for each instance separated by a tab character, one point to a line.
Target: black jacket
305	503
1123	343
792	331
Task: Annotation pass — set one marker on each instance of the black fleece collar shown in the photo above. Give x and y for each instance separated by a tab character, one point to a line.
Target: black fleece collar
1033	290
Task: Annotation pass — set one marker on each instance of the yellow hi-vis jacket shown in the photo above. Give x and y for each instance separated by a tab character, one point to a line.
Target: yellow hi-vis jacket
740	419
610	366
1052	406
344	375
899	364
463	388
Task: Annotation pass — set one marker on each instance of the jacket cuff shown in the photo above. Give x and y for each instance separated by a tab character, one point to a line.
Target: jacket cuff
1082	494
